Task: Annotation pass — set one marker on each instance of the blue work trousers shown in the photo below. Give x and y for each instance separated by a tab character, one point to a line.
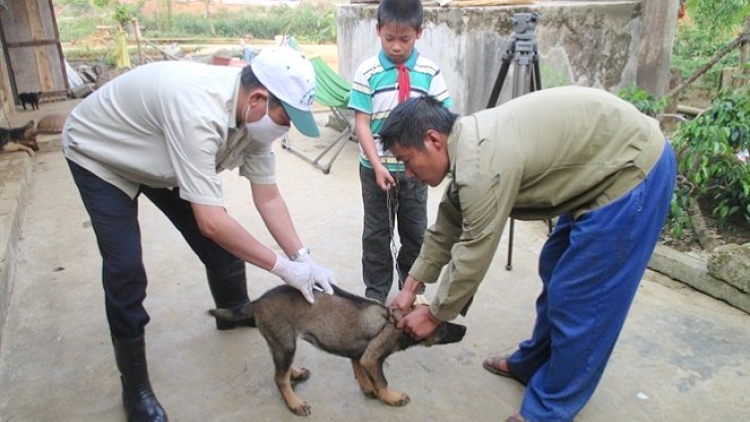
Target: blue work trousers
590	269
114	217
407	211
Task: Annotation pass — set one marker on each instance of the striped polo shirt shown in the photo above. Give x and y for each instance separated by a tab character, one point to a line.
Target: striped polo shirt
375	92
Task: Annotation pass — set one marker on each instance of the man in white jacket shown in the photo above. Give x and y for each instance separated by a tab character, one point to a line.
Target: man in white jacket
166	130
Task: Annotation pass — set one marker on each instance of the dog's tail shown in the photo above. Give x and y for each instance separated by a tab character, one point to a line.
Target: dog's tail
233	314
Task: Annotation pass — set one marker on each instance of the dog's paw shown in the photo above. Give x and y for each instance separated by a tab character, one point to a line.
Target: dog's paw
403	400
302	409
299	375
394	398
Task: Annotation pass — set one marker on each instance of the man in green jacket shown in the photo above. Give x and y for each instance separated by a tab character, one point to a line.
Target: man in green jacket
578	153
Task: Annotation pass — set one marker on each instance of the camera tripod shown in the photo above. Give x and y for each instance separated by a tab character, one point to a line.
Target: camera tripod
521	52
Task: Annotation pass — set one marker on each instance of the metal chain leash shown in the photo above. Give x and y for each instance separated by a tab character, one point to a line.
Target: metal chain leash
392	203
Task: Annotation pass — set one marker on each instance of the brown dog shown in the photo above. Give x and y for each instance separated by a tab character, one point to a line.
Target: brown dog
19	139
342	324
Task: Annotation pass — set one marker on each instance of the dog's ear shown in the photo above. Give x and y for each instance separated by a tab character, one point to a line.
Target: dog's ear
29	125
29	132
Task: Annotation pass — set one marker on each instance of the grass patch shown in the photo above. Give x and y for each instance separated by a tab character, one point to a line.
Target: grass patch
76	29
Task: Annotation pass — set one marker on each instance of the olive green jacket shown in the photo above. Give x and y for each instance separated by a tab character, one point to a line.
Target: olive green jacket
569	149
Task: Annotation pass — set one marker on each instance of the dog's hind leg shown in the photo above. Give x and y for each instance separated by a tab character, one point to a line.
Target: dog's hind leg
282	351
284	384
363	379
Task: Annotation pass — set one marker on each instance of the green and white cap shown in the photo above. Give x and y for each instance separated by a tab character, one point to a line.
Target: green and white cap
290	77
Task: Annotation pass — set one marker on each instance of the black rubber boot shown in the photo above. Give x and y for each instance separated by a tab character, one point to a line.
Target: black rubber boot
138	399
229	288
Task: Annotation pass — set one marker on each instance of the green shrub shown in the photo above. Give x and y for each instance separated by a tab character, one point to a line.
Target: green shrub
184	25
553	77
643	100
305	22
714	25
76	29
709	168
78	7
265	25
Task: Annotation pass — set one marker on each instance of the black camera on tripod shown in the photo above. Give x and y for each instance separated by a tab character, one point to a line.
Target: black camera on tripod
525	23
522	51
527	77
523	31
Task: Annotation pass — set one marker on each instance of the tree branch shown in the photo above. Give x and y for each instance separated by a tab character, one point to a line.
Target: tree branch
742	38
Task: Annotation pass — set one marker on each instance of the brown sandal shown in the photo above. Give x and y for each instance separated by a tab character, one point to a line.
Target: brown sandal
492	364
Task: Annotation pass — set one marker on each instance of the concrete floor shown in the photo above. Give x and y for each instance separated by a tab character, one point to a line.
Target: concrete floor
682	355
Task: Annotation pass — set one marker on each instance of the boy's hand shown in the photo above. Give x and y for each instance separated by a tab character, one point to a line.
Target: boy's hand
383	178
404	302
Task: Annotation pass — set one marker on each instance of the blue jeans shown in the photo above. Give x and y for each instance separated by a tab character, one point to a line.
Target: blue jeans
408	212
590	270
114	217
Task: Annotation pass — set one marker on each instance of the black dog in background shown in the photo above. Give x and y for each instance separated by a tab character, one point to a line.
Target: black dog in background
31	98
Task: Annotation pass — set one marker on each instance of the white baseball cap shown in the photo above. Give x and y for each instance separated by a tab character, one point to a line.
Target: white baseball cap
290	77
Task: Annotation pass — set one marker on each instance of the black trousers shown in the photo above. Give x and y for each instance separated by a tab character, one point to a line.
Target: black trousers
407	211
114	217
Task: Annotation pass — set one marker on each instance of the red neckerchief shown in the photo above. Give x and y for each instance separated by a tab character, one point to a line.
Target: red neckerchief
404	85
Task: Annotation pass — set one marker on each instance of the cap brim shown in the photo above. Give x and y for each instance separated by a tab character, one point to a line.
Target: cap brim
303	121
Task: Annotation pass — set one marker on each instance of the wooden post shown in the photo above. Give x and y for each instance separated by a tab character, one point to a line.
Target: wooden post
137	30
209	17
745	48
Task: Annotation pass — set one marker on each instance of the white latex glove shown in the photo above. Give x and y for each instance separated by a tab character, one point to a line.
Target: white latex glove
323	277
296	274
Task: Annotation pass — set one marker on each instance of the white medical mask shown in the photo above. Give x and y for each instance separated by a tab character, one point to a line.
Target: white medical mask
264	130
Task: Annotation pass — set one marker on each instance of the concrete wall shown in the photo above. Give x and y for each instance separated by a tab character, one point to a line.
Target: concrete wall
660	25
592	43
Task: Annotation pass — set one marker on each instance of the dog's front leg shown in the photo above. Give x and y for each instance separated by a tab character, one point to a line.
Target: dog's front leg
13	147
363	379
372	364
27	150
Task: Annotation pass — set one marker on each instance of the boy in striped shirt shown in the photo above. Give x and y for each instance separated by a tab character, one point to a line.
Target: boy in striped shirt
389	197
